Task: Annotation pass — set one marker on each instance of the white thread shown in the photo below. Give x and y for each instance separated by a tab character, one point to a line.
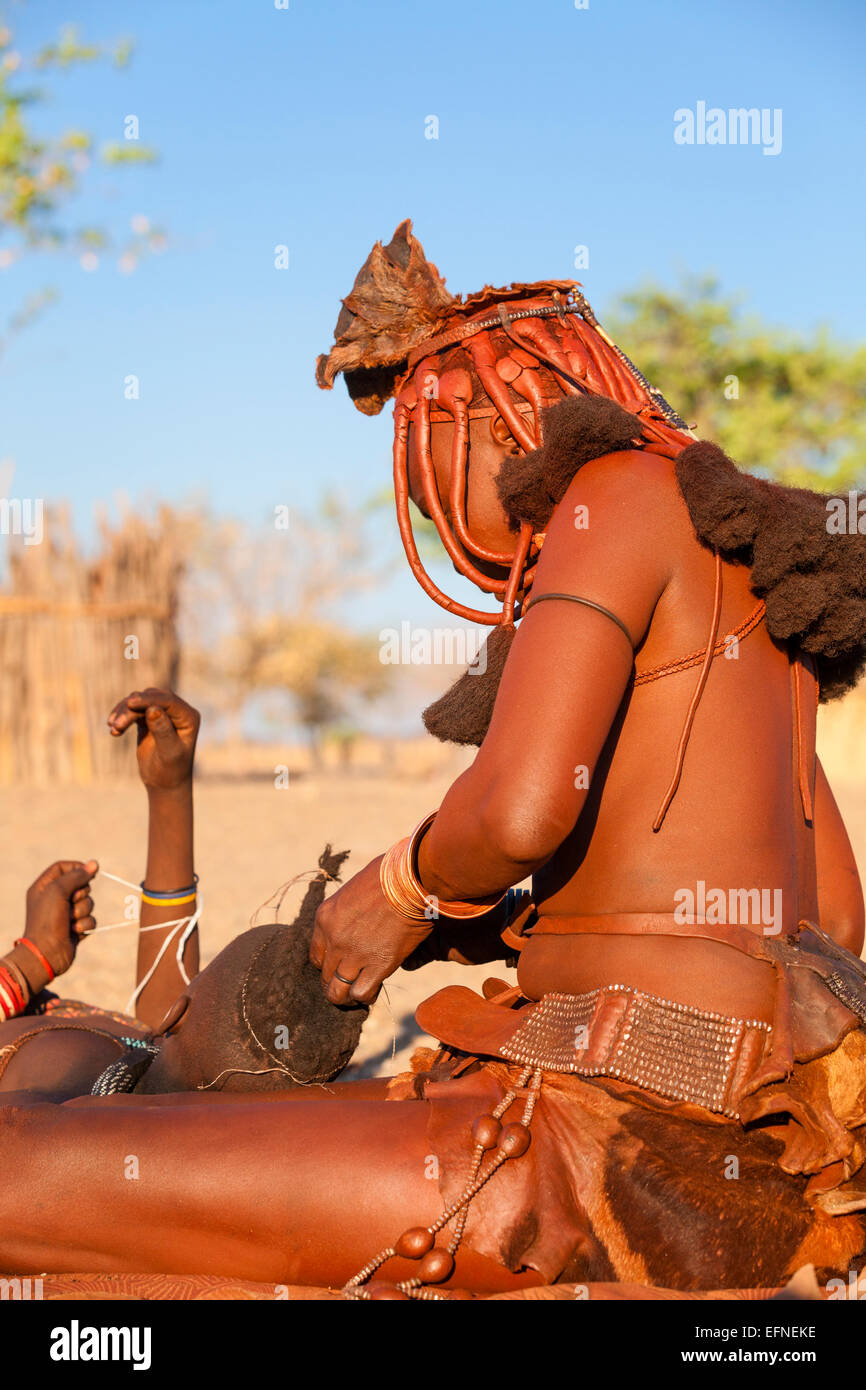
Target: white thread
133	922
185	936
133	998
176	922
136	887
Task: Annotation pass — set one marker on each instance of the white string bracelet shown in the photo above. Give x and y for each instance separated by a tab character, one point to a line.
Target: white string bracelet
190	923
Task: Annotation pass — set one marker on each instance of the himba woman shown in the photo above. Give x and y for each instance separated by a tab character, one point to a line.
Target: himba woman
684	1050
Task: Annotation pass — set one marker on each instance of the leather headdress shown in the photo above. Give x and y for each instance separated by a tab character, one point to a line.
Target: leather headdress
511	352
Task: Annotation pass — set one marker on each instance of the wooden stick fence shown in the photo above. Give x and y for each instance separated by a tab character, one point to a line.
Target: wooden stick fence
75	636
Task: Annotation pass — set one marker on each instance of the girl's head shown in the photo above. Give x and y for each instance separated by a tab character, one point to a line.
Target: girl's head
255	1019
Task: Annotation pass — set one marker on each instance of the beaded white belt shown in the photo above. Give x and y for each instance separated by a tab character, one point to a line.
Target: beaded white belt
677	1051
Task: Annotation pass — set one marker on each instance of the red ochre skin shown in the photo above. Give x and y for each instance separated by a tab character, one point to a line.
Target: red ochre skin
306	1189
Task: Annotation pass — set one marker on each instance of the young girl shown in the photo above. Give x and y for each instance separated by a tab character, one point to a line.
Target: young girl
56	1048
255	1020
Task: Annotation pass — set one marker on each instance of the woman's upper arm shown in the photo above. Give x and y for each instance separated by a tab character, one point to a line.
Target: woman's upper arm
569	665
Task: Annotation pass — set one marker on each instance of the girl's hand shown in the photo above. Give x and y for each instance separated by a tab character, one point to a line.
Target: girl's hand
359	935
167	732
59	913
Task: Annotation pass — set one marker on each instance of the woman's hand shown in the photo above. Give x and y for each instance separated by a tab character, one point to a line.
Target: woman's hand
167	732
360	937
59	913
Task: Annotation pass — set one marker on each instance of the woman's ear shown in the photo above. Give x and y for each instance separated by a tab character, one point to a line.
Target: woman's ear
502	435
500	431
173	1016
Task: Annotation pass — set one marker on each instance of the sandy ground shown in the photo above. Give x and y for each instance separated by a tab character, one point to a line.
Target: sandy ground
252	838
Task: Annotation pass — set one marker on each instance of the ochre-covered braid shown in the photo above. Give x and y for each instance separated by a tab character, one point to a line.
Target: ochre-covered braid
524	355
510	352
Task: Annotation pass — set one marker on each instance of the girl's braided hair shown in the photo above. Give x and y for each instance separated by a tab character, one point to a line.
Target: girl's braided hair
284	1017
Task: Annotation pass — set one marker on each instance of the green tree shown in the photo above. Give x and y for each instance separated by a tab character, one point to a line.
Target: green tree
39	175
261	615
323	667
779	405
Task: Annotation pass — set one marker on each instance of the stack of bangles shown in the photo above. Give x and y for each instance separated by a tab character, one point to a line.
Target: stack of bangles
398	877
15	990
177	897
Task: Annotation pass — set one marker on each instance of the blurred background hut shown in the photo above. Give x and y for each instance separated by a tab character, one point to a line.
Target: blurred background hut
75	631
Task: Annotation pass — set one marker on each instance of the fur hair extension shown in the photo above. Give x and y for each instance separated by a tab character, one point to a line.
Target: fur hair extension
576	429
812	580
463	713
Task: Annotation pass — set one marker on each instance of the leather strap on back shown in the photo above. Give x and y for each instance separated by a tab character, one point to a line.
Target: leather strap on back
804	710
656	924
696	698
804	721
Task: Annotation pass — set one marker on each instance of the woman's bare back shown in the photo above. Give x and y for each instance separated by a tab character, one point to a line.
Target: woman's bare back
731	826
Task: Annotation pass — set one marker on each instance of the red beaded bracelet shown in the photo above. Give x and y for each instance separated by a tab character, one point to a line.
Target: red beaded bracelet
12	1001
46	965
17	989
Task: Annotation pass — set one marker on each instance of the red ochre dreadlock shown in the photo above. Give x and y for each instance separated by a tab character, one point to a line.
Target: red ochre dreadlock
511	352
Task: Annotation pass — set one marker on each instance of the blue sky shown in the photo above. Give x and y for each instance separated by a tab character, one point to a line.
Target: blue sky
305	127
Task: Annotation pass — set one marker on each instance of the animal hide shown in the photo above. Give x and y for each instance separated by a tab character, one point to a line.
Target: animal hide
398	299
812	580
576	430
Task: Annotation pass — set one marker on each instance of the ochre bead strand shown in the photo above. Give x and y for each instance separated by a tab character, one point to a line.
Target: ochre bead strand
437	1263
